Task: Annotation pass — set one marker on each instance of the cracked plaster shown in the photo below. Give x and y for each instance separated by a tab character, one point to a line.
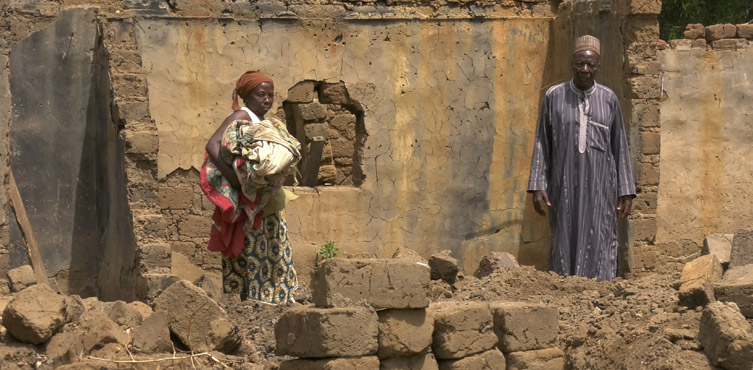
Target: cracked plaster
450	111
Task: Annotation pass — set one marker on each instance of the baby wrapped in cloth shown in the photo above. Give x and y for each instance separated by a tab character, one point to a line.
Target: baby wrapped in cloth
262	154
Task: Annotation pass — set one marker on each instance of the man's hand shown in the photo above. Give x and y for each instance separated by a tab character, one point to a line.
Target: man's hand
541	202
624	205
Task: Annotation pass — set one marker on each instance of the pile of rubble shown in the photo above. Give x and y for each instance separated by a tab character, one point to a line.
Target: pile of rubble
184	329
721	280
375	314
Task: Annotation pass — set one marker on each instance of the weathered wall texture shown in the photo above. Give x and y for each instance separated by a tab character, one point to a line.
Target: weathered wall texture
706	147
450	108
447	95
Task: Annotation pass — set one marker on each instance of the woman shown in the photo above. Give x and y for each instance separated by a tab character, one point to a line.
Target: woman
249	228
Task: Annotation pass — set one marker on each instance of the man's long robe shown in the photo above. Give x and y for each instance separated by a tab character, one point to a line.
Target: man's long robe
581	159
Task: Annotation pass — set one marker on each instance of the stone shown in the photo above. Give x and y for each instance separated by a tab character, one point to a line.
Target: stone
404	332
523	326
719	245
152	335
199	322
726	336
492	359
334	93
178	197
724	44
211	283
382	283
745	31
144	309
35	314
694	31
21	278
699	44
461	329
124	314
644	7
74	308
302	92
420	362
681	44
98	331
350	363
737	287
720	31
154	256
141	142
698	279
410	255
742	249
313	130
650	142
307	331
495	261
313	112
64	348
444	267
541	359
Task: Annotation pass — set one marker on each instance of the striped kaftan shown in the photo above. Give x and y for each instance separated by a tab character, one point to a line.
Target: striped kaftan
581	159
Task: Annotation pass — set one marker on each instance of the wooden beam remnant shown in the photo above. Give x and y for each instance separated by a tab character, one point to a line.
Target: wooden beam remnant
27	233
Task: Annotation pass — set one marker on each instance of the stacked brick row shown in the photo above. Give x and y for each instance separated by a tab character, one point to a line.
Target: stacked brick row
375	314
718	37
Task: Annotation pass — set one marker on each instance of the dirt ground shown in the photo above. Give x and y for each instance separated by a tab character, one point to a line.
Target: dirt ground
621	324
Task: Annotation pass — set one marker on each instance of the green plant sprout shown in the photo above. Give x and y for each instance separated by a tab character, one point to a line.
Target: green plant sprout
328	250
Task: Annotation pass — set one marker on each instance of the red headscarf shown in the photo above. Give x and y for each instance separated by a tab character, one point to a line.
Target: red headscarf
248	81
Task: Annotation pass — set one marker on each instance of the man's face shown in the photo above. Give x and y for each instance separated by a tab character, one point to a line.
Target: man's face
585	67
260	99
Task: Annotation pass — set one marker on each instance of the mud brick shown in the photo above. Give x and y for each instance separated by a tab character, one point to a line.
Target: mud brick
737	286
444	267
719	245
720	31
698	279
302	92
726	336
313	130
695	31
178	197
141	142
351	363
404	332
522	326
745	31
651	7
742	249
724	44
461	329
645	87
420	362
699	44
154	256
313	111
681	44
651	142
541	359
382	283
321	332
492	359
334	93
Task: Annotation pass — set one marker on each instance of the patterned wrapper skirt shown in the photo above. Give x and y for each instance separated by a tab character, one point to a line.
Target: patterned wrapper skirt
264	269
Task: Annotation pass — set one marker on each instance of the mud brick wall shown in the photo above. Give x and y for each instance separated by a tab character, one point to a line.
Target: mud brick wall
430	150
705	141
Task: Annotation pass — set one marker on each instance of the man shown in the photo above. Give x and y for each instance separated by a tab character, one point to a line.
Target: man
581	173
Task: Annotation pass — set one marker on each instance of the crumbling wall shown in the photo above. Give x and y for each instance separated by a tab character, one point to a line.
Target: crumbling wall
450	102
444	98
706	136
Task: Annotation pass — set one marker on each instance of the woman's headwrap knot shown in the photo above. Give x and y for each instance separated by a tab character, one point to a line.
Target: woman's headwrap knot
248	81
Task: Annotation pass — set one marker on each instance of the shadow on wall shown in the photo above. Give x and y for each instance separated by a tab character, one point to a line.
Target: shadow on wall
67	159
